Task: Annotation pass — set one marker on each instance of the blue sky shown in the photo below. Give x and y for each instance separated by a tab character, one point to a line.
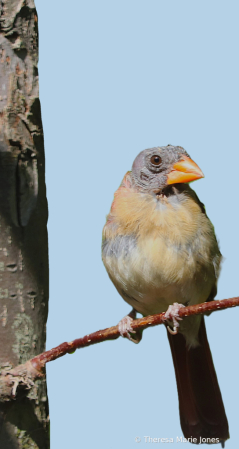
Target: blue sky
116	78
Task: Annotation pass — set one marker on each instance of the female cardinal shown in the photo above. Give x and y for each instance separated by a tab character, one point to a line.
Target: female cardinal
159	248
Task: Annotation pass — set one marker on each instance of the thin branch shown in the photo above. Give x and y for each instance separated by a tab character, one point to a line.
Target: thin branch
24	375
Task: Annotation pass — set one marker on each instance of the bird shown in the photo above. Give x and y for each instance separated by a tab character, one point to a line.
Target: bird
160	251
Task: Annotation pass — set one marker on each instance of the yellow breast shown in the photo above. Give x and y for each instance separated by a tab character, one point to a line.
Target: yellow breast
160	250
145	215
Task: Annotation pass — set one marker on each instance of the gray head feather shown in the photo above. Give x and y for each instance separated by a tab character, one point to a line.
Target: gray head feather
150	177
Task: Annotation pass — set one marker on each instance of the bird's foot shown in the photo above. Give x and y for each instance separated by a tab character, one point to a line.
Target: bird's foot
125	328
172	315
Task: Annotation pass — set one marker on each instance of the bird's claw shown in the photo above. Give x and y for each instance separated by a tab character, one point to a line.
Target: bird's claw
125	328
172	315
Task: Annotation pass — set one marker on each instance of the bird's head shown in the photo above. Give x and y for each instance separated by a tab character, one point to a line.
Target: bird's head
156	168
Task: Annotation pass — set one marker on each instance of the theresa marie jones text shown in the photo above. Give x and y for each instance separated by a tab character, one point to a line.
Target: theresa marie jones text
148	439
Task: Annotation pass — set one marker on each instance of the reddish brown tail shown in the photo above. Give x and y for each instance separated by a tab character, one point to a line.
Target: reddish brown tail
201	408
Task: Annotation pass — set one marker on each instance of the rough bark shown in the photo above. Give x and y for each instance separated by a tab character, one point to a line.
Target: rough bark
23	218
23	377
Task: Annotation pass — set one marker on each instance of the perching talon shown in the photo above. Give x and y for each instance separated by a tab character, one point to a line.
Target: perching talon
125	328
172	315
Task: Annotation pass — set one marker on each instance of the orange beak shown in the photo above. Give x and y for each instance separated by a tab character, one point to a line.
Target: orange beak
185	170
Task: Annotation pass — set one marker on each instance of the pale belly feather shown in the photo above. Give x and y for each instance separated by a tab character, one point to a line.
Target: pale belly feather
150	273
161	251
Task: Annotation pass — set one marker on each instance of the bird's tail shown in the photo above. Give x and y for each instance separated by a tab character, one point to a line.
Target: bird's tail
202	413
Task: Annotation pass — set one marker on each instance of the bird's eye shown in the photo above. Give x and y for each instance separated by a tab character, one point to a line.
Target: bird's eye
156	160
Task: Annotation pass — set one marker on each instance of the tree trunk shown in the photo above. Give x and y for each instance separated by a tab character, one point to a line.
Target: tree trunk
23	218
